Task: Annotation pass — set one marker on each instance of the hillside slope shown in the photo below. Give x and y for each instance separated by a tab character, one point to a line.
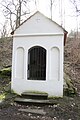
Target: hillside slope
72	60
5	52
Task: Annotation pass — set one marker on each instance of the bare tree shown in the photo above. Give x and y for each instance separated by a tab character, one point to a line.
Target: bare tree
76	4
3	30
51	6
73	48
15	11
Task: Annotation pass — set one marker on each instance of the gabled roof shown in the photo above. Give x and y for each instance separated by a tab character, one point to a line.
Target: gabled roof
65	32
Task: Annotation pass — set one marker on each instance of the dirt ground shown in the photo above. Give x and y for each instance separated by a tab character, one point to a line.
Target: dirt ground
65	109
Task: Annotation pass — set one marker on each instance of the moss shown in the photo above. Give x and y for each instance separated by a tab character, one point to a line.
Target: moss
5	72
2	96
54	97
70	92
36	92
13	92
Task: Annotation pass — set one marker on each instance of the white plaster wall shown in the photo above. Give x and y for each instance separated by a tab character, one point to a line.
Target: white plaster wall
53	85
54	61
19	63
39	24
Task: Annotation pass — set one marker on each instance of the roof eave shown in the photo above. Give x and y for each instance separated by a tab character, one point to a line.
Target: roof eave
65	36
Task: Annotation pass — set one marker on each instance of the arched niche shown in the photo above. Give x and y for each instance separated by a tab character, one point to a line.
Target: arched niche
55	63
36	63
19	63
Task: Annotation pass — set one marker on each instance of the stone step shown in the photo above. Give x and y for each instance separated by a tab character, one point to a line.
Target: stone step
38	96
33	101
33	111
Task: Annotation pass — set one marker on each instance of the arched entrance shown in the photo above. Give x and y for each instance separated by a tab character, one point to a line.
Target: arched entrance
36	63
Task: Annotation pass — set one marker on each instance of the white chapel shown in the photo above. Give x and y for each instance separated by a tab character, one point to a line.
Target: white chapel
38	56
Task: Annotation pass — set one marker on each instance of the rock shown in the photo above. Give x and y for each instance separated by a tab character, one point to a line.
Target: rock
8	88
33	111
69	88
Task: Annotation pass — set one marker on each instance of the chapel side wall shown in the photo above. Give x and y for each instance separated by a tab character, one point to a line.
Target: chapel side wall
52	86
56	83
